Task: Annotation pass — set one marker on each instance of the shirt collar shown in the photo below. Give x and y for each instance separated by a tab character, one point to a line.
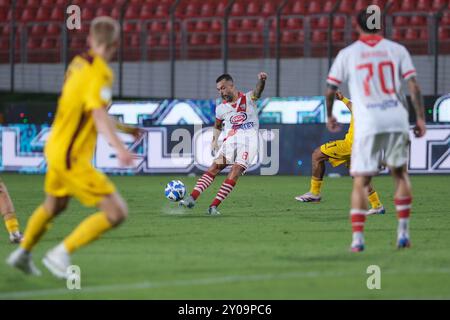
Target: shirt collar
370	39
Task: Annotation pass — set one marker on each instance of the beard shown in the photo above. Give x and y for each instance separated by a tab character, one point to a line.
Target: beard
227	97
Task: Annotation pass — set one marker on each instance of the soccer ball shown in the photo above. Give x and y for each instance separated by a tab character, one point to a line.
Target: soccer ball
175	190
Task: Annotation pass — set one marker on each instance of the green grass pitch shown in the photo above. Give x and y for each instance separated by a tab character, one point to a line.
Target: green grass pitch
264	246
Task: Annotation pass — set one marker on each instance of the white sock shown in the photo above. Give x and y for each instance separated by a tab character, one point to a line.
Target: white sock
61	249
403	227
358	237
23	251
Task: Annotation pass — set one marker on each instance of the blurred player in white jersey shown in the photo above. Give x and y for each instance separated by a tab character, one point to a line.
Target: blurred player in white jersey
238	116
374	69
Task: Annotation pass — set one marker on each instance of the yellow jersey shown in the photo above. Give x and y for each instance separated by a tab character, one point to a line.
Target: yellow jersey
349	135
87	86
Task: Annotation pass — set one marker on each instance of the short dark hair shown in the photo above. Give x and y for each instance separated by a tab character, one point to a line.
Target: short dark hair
362	18
224	76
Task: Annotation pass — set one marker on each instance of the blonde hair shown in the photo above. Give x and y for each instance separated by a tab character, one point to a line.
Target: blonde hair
104	30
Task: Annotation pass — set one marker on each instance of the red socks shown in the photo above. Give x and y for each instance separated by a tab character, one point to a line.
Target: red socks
358	217
403	207
205	181
202	184
224	191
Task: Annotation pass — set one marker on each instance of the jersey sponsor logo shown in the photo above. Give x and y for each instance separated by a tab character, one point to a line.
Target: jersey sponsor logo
244	126
383	105
374	54
238	119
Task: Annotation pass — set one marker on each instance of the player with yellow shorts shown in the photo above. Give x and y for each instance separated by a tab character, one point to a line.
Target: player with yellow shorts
81	115
336	153
9	214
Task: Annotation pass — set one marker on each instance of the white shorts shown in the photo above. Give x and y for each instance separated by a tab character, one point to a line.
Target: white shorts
239	150
369	153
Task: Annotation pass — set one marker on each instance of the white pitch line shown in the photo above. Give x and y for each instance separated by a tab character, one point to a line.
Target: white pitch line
193	282
161	284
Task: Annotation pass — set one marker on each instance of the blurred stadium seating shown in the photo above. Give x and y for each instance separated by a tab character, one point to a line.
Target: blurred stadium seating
40	35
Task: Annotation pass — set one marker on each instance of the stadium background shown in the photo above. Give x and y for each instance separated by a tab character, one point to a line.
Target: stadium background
172	51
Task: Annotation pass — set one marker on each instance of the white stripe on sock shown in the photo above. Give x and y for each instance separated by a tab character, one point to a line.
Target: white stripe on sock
223	194
358	212
356	224
207	177
402	207
226	188
203	185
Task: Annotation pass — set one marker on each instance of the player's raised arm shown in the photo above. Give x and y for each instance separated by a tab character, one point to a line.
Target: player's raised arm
262	77
105	125
417	101
344	99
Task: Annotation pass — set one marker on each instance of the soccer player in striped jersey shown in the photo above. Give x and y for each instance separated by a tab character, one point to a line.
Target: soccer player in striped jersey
237	115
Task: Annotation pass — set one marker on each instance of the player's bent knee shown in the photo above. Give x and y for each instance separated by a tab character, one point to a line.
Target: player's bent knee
361	182
121	212
318	155
236	171
214	169
218	165
116	217
54	206
115	208
399	172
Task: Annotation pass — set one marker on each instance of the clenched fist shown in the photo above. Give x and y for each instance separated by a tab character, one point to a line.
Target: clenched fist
262	76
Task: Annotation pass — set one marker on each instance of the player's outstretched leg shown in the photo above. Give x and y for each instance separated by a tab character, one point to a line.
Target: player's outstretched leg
37	225
375	203
113	211
358	212
403	202
318	171
203	183
9	215
226	188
